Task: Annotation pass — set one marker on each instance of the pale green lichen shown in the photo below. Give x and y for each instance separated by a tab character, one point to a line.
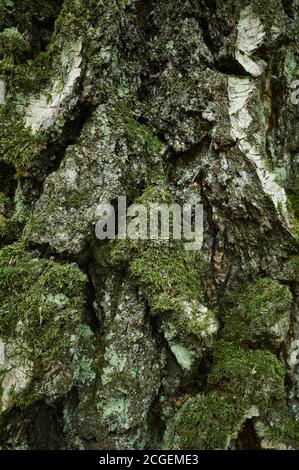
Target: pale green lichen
183	356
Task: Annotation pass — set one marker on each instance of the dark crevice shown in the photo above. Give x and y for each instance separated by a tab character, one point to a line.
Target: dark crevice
247	438
137	42
156	328
214	296
45	427
288	7
42	32
211	5
155	420
144	14
156	424
55	151
200	382
276	96
45	251
149	80
230	66
205	28
205	13
8	183
186	156
41	425
92	317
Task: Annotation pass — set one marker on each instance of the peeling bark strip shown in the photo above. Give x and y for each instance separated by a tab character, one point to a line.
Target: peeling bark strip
251	35
133	343
44	110
240	91
2	92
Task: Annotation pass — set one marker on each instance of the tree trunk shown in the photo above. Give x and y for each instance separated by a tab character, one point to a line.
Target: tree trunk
142	344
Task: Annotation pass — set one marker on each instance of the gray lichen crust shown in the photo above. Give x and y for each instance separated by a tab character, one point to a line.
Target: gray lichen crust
137	344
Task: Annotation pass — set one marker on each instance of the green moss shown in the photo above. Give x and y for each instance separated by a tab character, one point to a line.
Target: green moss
204	422
18	145
13	45
22	47
256	377
70	21
248	384
290	269
31	16
279	426
3	225
165	271
140	135
9	228
27	281
143	135
171	272
5	204
262	7
292	189
270	12
42	314
172	280
256	310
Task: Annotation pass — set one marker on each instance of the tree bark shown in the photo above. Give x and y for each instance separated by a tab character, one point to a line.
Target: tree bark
141	344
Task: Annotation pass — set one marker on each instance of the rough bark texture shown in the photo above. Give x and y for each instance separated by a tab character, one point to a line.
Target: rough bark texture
135	345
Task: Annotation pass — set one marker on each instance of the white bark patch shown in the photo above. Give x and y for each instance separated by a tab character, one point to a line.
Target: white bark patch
240	91
251	35
209	113
2	92
15	372
70	174
2	352
14	382
293	359
42	111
